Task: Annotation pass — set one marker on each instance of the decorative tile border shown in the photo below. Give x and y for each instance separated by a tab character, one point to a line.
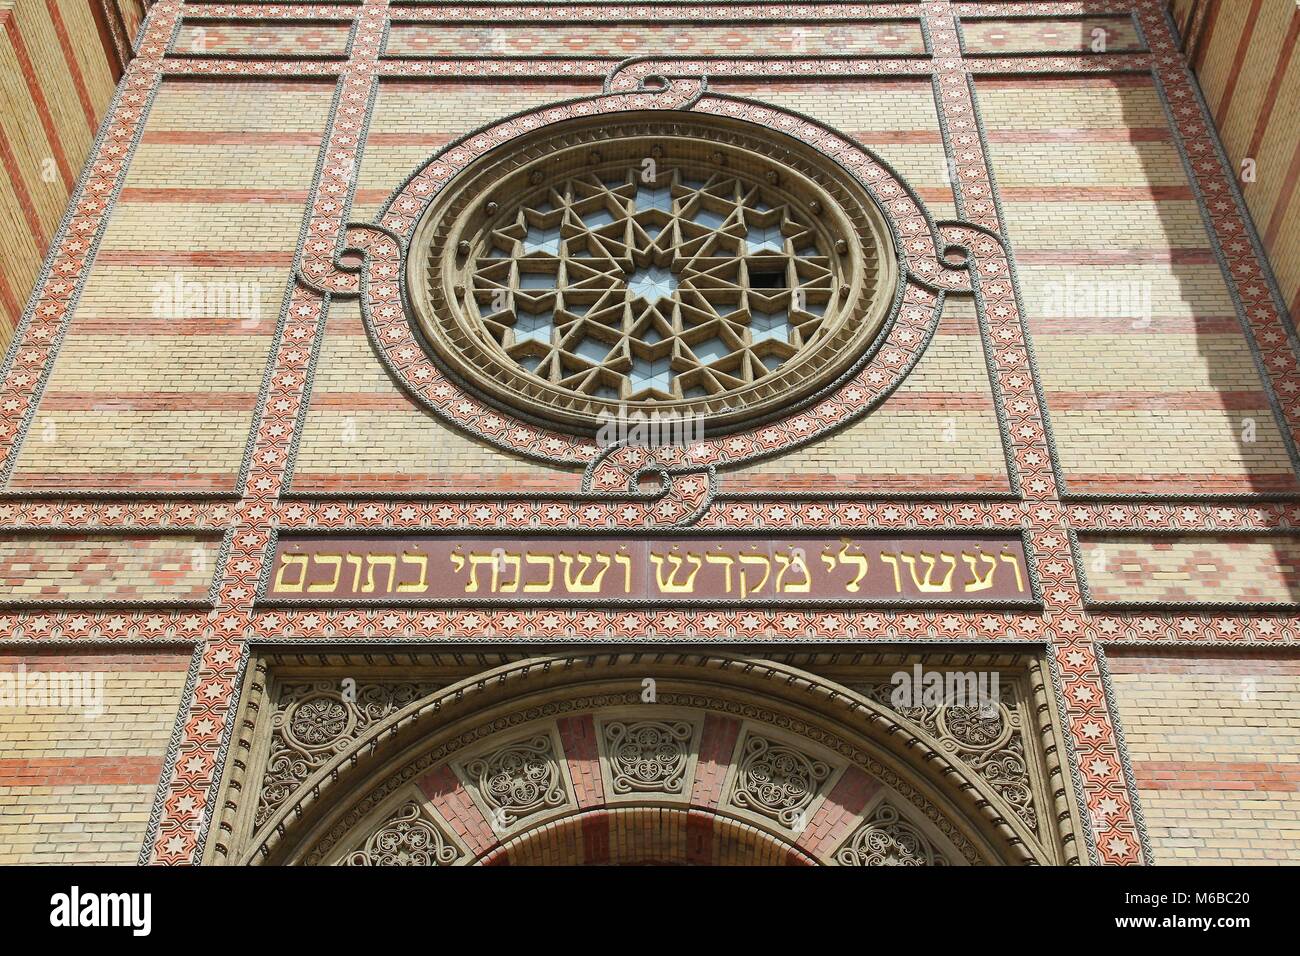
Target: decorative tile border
1074	637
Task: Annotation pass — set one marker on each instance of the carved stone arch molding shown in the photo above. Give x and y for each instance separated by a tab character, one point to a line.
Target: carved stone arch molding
627	757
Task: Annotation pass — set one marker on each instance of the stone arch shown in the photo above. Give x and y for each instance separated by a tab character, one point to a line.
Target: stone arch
645	757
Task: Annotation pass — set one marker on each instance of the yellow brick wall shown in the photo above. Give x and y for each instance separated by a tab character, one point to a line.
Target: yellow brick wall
77	778
56	80
362	431
1247	59
156	389
937	432
1216	753
1148	376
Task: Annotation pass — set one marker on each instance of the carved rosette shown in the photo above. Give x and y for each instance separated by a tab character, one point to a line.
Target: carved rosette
518	780
886	839
777	781
406	838
313	722
648	756
988	739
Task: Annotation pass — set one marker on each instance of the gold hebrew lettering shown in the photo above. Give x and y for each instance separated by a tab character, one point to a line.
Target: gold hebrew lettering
478	559
926	585
355	561
726	561
890	558
767	572
533	587
859	559
504	560
574	583
978	582
333	584
422	562
286	561
624	560
670	585
793	560
1012	560
386	560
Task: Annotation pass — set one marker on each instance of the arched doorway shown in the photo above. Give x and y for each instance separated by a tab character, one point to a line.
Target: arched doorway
634	758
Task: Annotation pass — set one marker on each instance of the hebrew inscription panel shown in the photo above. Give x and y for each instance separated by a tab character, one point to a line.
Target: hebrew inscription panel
663	570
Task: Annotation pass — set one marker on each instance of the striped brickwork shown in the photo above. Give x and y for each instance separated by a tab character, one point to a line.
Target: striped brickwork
1115	373
59	65
1216	754
1245	56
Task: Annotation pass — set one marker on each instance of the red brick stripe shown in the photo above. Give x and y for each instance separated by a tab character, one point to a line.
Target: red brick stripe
13	174
457	807
408	139
1282	206
880	137
185	137
1095	193
578	738
79	771
845	483
1056	134
74	68
1238	59
11	306
1126	660
1146	482
10	26
1119	257
106	325
228	258
434	482
1173	399
838	812
1160	325
149	661
148	401
1207	34
390	401
188	194
152	479
1060	82
1215	775
1275	84
717	743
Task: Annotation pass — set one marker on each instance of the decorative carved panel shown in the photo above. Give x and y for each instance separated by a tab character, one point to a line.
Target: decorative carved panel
314	720
886	838
518	780
777	780
648	756
407	837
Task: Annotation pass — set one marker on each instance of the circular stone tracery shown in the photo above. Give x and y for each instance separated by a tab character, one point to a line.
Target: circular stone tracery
686	267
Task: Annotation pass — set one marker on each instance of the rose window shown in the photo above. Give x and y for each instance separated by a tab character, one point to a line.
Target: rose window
672	267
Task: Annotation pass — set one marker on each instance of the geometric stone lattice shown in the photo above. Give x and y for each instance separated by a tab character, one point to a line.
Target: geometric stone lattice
636	287
681	266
